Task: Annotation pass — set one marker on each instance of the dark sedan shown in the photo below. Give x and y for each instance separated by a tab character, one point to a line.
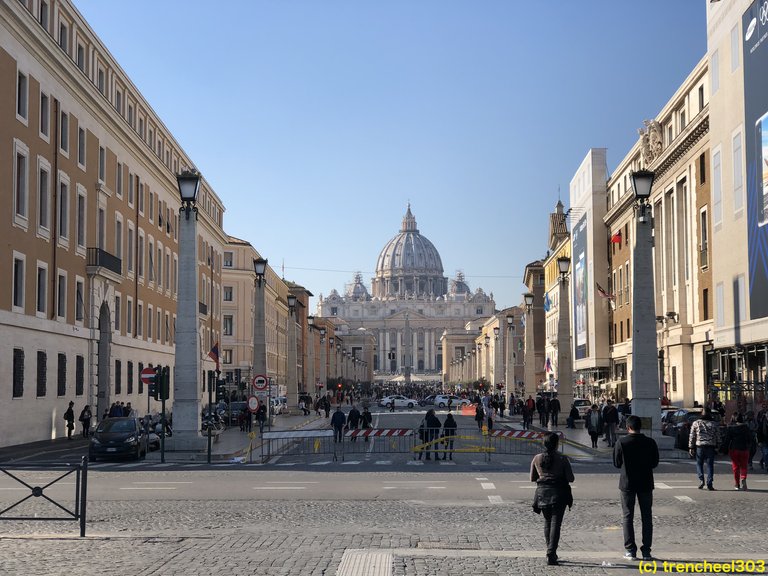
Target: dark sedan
118	437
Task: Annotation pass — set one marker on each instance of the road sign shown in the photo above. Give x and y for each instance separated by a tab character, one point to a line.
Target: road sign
253	404
148	375
259	382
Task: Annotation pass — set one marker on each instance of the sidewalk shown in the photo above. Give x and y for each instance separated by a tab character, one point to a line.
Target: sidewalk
43	447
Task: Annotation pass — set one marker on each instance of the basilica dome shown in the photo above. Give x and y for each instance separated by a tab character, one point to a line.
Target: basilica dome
409	265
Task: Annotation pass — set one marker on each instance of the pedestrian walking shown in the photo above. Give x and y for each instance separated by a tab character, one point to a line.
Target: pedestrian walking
490	416
541	409
553	474
449	431
353	421
611	421
593	421
337	422
327	406
85	420
261	417
69	416
554	410
637	455
366	420
738	441
703	441
479	416
433	426
527	413
392	405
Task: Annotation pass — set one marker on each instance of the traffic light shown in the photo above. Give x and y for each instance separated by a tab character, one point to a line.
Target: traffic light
221	390
163	386
238	375
154	387
338	386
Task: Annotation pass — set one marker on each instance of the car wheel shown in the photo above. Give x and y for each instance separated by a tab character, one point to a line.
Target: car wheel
442	405
389	405
410	404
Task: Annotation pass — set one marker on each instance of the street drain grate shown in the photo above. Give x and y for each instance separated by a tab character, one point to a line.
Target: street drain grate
448	546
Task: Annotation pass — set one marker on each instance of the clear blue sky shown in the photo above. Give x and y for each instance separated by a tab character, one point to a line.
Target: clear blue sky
316	121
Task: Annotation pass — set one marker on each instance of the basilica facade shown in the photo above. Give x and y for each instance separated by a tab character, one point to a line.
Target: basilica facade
410	305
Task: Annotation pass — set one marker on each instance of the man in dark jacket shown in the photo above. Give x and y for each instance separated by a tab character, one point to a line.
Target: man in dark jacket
554	410
337	421
353	420
433	425
637	455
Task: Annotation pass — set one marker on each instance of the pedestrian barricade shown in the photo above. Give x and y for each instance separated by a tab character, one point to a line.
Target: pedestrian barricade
368	441
40	478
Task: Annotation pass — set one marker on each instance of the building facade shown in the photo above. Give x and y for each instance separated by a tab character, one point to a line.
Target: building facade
87	182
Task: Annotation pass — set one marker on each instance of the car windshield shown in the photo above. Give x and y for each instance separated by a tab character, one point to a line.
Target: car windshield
112	425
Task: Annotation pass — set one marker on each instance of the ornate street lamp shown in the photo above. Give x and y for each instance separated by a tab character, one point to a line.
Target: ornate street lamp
189	187
564	359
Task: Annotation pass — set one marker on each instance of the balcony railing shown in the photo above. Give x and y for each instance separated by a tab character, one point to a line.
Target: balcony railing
103	259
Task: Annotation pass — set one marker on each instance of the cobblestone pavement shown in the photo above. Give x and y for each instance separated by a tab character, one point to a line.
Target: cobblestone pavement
424	538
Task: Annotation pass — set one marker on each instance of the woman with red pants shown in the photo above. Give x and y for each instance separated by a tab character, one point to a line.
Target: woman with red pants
738	441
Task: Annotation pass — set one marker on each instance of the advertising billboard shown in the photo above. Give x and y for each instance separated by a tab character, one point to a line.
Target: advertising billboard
580	286
755	44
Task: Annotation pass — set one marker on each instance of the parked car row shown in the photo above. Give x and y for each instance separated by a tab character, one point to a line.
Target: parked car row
676	422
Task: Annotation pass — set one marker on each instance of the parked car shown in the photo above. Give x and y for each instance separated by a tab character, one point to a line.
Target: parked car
427	401
277	406
582	405
398	400
284	404
441	401
118	437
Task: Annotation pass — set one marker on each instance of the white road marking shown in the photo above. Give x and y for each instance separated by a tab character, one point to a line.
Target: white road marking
684	498
447	463
495	499
436	487
481	479
148	488
279	487
158	482
418	482
528	487
478	463
358	562
383	462
414	463
323	463
133	465
287	482
662	486
488	486
288	464
350	462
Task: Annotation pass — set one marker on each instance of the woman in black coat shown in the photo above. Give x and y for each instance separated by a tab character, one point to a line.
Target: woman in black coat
553	474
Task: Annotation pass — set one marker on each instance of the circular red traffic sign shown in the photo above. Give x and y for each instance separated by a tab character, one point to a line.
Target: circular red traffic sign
259	382
253	404
148	376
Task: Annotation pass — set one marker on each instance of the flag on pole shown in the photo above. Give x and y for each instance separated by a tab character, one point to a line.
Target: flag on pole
603	293
547	302
616	238
522	320
548	365
214	354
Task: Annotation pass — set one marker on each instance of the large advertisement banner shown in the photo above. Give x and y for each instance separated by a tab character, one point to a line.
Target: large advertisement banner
755	38
580	286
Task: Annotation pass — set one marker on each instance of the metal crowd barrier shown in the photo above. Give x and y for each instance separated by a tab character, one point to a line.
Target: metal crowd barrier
60	470
309	443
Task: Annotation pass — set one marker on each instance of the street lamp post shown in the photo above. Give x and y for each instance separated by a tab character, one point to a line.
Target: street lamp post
564	361
309	383
292	385
331	364
530	360
645	371
186	390
323	359
509	374
259	358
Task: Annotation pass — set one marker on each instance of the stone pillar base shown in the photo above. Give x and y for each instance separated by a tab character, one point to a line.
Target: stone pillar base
185	442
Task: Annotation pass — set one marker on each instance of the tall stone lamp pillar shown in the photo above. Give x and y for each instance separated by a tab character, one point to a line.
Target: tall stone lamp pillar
259	323
530	351
292	384
509	345
186	389
645	371
323	362
564	359
309	384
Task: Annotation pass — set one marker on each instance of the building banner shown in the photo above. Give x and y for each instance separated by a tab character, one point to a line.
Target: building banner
580	286
755	38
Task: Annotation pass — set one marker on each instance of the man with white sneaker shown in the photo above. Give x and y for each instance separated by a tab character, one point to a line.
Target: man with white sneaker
637	455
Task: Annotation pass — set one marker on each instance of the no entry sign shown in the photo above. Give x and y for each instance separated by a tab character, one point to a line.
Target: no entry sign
253	404
148	376
259	382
